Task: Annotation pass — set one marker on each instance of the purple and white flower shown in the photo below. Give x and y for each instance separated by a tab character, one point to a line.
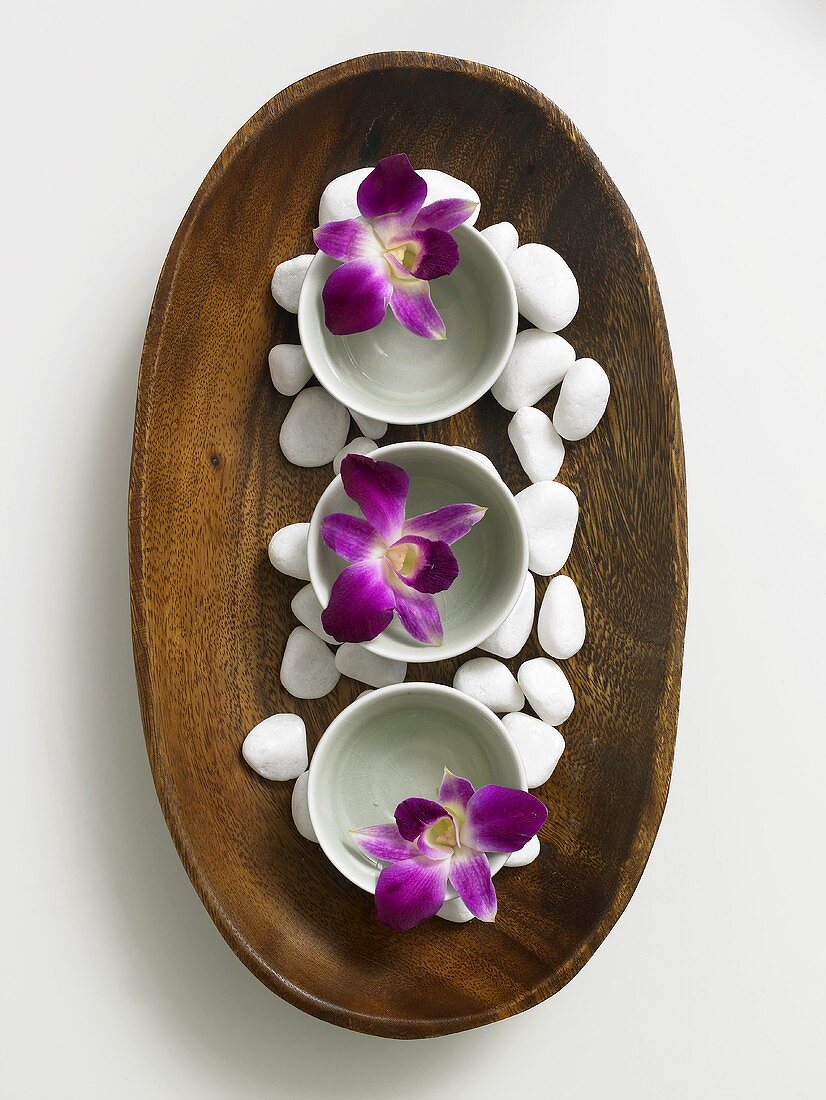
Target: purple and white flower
391	253
396	564
431	844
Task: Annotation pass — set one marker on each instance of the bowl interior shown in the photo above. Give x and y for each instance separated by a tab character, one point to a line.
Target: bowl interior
395	376
492	557
394	744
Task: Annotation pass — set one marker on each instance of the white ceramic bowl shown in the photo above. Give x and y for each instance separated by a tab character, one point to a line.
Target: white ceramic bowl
394	744
390	374
492	556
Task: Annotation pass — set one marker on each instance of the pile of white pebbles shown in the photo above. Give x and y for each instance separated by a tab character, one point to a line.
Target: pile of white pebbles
314	433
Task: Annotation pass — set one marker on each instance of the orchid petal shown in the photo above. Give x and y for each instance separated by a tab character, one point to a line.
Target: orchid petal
351	239
419	615
414	815
384	842
356	296
426	566
379	489
351	537
412	306
392	187
499	819
445	214
437	254
361	603
411	891
445	524
455	792
470	877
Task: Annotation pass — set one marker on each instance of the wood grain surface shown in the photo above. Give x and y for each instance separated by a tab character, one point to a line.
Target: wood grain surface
211	617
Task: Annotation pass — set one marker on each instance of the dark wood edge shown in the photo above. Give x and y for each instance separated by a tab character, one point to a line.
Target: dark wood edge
667	723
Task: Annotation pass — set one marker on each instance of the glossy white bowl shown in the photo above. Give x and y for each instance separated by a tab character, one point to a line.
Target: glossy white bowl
390	374
492	556
395	743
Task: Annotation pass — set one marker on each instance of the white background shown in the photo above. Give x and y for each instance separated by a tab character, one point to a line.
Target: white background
710	117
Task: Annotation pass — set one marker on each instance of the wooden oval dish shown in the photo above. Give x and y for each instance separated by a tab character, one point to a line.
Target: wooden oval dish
211	617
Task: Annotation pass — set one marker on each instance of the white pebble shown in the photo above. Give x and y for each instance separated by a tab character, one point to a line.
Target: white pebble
315	429
277	747
546	290
290	368
338	200
504	238
550	511
369	426
525	855
308	669
367	691
307	609
537	443
547	690
455	910
510	637
301	808
287	279
539	744
287	551
357	446
479	456
538	362
582	399
561	623
369	668
491	682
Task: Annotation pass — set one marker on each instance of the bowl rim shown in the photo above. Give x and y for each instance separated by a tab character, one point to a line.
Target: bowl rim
416	653
376	697
309	331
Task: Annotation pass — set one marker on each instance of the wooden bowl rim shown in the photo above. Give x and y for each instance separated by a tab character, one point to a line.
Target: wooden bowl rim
653	806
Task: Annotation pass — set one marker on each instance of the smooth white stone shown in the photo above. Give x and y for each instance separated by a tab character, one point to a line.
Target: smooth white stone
547	690
491	682
561	623
357	446
369	668
369	426
277	747
287	551
367	691
538	362
308	668
537	443
307	610
455	910
582	399
315	429
287	279
338	200
510	637
525	855
546	290
550	512
301	808
290	368
504	238
478	455
539	744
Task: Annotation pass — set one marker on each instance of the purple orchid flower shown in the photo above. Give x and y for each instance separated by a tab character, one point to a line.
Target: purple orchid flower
433	843
396	564
390	253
